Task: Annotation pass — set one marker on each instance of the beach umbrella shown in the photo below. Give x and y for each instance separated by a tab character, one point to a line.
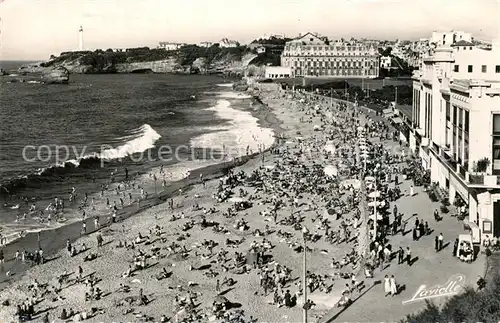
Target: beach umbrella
379	217
369	179
331	212
373	203
363	147
316	127
373	195
330	148
360	128
331	171
236	199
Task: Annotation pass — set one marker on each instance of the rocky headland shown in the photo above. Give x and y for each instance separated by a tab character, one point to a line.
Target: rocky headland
190	59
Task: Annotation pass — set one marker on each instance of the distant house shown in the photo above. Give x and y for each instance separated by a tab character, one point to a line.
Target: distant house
275	72
170	46
206	44
226	43
260	50
273	45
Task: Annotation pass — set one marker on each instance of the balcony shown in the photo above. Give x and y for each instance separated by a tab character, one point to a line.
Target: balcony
473	180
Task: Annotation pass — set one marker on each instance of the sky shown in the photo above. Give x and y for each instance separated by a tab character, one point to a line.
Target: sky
35	29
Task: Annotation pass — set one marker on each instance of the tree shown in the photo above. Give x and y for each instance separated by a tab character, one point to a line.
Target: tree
387	51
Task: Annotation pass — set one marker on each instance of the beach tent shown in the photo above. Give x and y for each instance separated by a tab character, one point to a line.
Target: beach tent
330	147
379	217
377	203
331	171
317	127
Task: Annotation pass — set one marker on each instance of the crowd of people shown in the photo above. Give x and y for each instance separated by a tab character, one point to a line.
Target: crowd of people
252	225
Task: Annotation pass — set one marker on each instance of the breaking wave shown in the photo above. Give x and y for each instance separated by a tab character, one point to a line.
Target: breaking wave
139	140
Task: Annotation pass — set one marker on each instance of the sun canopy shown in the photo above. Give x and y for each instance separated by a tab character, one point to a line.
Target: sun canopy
331	171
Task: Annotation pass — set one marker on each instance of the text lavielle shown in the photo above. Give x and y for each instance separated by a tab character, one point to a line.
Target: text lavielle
452	287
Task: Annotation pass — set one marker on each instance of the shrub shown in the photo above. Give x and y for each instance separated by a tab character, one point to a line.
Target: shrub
481	165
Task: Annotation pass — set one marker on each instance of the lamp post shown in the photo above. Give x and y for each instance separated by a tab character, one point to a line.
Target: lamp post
305	306
375	194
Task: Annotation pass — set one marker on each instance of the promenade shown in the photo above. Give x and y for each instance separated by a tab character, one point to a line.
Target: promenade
431	268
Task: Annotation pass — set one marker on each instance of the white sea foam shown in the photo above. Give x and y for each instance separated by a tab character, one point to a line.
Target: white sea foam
242	131
139	140
145	141
233	95
225	84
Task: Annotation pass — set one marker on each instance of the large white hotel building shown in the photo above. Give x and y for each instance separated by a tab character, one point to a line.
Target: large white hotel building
456	123
310	55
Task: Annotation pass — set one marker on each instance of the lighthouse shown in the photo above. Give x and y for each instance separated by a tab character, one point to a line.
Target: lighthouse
80	39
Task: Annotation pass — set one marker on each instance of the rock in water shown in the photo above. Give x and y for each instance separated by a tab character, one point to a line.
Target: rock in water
57	75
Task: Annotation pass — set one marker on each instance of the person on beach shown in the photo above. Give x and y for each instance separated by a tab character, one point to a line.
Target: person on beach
96	223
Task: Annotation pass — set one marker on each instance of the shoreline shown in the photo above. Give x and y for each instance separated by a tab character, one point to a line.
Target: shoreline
52	240
296	119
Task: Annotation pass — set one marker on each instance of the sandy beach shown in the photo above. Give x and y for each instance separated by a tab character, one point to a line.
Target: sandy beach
197	243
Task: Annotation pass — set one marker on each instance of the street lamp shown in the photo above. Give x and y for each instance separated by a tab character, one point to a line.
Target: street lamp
305	306
374	195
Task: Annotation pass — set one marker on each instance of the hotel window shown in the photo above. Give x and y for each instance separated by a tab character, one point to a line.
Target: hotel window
497	69
448	111
496	144
456	68
454	115
460	118
469	68
459	144
483	68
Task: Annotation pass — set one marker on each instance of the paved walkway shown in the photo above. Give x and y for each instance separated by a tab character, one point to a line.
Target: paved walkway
431	268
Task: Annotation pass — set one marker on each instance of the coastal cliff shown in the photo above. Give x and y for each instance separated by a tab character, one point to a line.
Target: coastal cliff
190	59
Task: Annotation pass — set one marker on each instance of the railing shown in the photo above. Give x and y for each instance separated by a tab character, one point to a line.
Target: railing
477	179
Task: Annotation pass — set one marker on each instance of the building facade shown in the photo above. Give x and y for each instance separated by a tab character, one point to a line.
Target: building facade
313	56
276	72
206	44
456	127
170	46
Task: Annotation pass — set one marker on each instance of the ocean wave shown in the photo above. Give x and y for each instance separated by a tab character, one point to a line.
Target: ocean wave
225	84
241	132
144	139
233	95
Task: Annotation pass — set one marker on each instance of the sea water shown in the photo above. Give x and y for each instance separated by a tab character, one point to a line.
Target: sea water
109	122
